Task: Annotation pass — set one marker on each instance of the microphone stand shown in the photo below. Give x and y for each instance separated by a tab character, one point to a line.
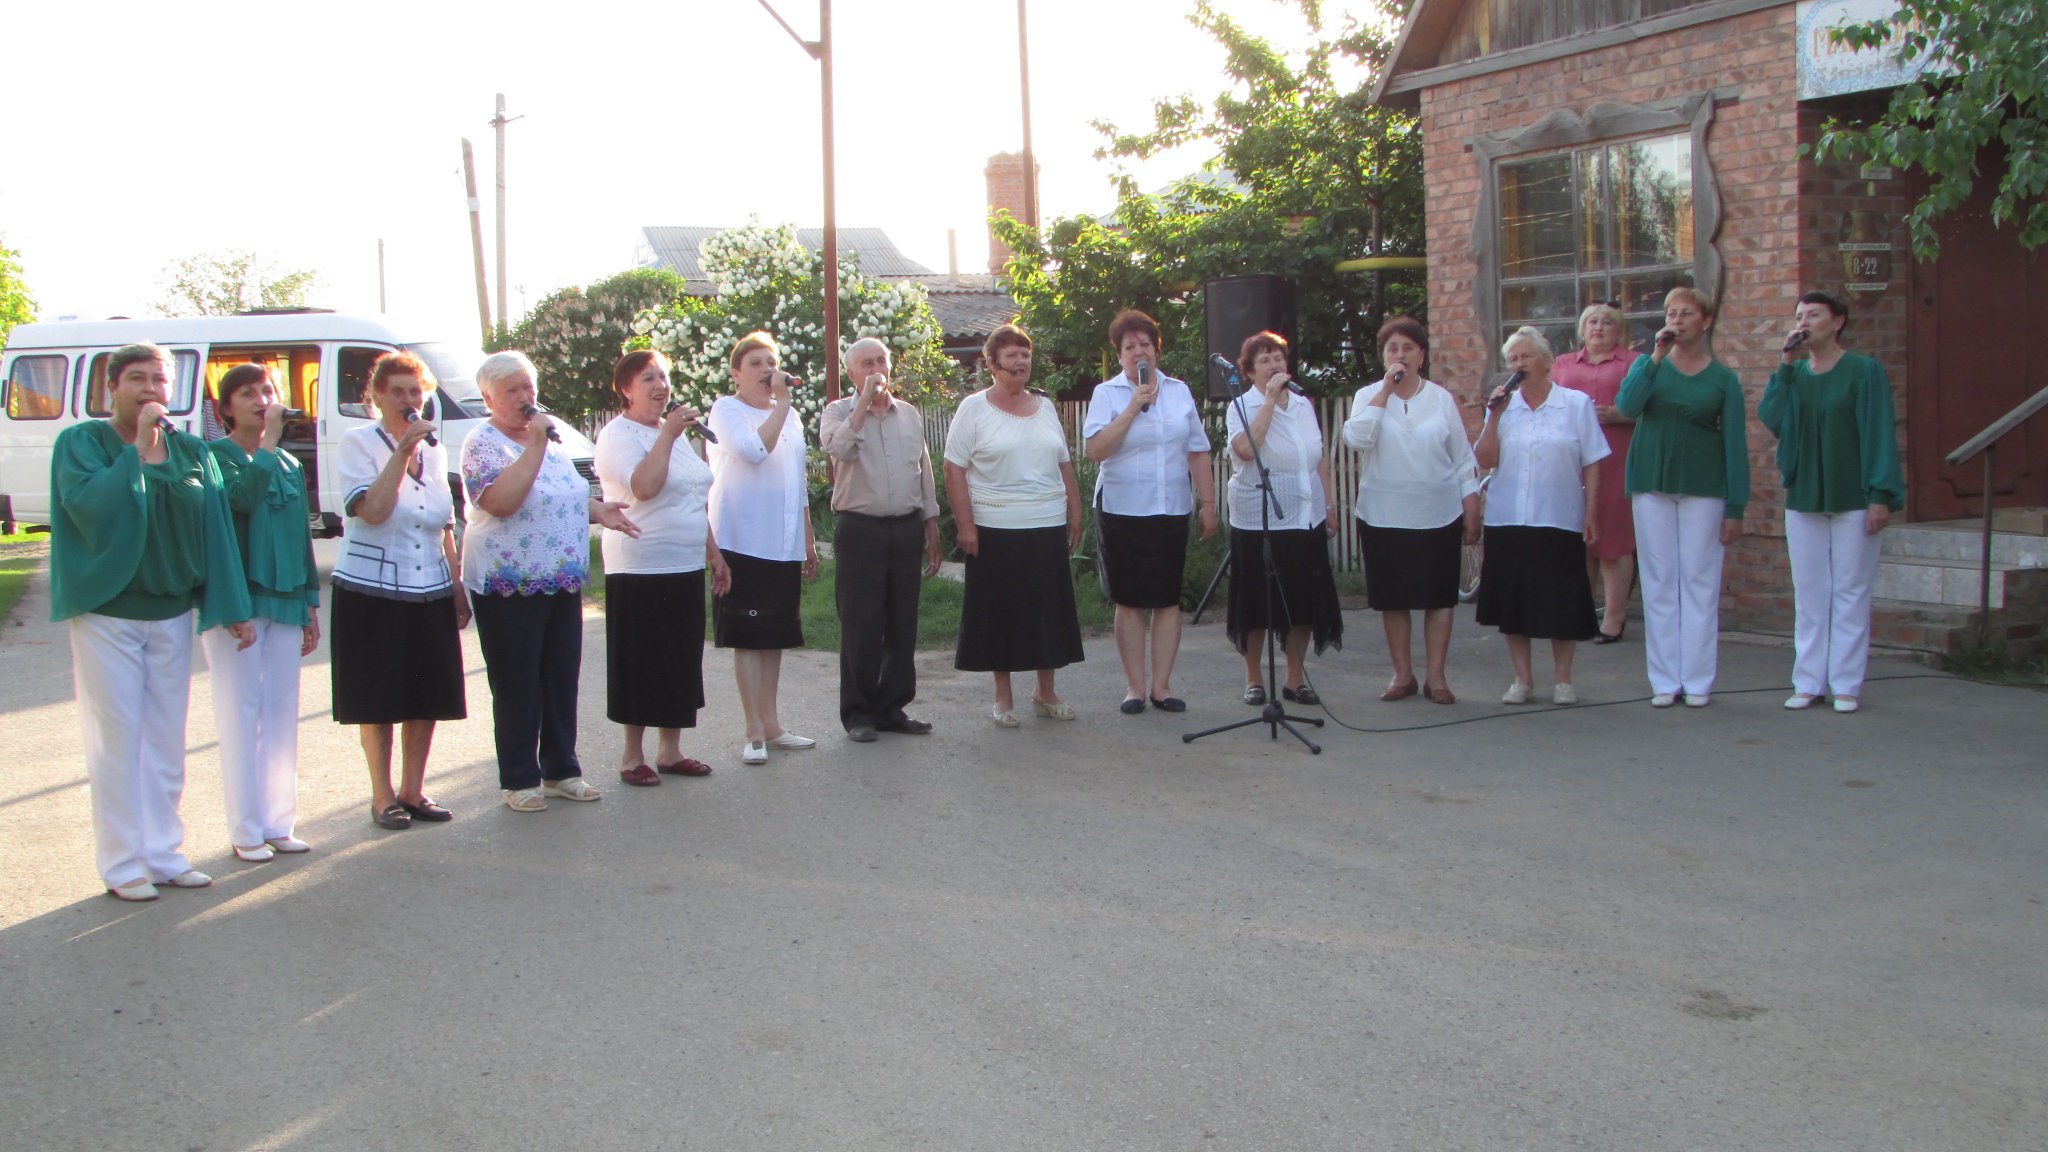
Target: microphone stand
1273	716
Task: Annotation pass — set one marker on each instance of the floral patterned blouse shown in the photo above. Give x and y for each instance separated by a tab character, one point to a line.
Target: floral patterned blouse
542	548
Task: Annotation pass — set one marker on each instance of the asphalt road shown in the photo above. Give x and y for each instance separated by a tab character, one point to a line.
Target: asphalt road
1604	927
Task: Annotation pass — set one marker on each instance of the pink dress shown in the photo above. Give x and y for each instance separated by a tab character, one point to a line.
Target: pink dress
1615	524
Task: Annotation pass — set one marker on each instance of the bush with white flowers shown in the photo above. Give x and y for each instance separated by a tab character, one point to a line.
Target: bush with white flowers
576	335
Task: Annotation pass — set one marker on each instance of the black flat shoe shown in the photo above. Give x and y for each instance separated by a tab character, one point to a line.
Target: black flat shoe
1131	707
1170	704
1255	695
1606	637
391	816
426	810
1301	695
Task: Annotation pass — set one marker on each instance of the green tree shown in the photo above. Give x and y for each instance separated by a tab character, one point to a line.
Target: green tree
574	336
16	305
1316	174
236	280
1984	82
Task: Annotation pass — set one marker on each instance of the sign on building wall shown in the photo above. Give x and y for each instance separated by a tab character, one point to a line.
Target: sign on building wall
1830	69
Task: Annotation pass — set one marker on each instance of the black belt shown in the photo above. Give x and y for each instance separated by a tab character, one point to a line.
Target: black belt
880	519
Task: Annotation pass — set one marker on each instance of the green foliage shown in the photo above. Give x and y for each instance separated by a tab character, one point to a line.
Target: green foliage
576	335
16	305
236	280
1315	175
766	280
1985	83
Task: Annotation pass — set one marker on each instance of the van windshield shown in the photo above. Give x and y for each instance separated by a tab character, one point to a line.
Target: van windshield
454	369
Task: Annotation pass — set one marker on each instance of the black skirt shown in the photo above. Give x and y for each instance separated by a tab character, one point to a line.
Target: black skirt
1304	594
393	660
1411	569
1533	583
1142	558
759	611
654	648
1017	612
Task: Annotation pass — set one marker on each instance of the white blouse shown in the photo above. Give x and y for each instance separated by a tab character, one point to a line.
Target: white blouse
759	501
1416	465
1148	474
675	523
1012	463
400	559
1543	455
1292	451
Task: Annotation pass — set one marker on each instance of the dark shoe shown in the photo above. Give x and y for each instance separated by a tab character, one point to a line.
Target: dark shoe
905	726
640	776
1301	695
685	767
1255	695
1404	691
1132	707
1605	638
862	734
1170	704
426	810
1439	695
392	816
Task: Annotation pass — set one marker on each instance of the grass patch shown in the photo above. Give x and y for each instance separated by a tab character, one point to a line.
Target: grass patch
20	555
1996	661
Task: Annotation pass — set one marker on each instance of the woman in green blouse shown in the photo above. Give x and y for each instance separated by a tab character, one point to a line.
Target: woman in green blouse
1688	482
256	688
139	538
1831	410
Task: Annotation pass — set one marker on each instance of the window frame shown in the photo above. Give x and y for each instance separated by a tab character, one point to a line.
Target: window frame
63	385
186	382
1565	131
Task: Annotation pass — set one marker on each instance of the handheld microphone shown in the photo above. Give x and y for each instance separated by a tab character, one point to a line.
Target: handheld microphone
1666	336
1218	359
709	436
1515	381
412	415
295	413
529	411
1397	375
1145	377
1797	338
164	422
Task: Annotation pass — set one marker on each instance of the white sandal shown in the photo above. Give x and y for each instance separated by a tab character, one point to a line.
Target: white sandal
570	788
1004	718
525	800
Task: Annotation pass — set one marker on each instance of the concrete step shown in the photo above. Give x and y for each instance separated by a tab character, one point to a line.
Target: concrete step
1964	540
1925	580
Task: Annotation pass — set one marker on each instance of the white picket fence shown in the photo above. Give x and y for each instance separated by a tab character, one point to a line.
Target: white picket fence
1330	411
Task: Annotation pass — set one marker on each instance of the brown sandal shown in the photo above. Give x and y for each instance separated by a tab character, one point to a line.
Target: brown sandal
640	776
1402	691
686	767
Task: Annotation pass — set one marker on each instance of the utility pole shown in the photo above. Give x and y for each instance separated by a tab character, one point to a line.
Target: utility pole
476	239
498	122
1030	159
381	305
821	51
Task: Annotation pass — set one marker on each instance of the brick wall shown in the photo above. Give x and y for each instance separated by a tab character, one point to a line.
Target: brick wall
1005	176
1781	222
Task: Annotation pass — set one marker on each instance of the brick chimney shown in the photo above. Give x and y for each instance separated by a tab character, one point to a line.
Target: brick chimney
1005	175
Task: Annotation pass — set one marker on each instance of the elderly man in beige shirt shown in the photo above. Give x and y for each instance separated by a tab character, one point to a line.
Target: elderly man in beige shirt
888	513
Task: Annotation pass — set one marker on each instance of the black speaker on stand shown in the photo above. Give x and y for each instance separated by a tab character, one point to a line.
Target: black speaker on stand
1237	307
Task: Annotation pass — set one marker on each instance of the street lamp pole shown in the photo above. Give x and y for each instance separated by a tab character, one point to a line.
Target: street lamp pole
821	51
1030	160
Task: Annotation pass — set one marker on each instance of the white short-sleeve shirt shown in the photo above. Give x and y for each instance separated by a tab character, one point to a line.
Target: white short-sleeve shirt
675	523
1416	465
1543	455
1293	451
1012	463
400	559
759	500
1148	473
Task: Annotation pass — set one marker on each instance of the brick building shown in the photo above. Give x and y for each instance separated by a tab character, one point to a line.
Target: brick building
1612	149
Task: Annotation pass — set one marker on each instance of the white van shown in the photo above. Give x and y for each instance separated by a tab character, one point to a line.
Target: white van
54	375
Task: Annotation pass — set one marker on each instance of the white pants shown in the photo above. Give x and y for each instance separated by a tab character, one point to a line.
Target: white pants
134	678
256	710
1678	555
1834	561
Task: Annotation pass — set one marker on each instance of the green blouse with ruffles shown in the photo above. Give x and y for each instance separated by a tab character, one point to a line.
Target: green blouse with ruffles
1692	434
141	541
1838	447
267	497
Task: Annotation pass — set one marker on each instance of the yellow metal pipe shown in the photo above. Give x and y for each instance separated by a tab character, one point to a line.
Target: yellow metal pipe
1382	263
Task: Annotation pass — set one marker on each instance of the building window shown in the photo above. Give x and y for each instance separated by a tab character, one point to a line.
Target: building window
1612	222
1616	203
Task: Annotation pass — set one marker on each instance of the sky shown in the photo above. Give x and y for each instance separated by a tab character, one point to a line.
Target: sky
141	133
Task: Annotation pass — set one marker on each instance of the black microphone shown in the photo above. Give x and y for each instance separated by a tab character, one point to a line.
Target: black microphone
529	411
413	414
709	436
1145	377
1797	338
164	422
1218	359
1514	382
1397	375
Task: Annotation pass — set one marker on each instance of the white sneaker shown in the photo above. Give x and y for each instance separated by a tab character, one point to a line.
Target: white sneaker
570	788
790	742
190	878
1564	694
1800	702
1846	704
1697	699
754	752
1663	700
1517	693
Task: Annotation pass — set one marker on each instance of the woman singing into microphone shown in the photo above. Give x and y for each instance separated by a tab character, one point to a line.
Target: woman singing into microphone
1838	451
1145	432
